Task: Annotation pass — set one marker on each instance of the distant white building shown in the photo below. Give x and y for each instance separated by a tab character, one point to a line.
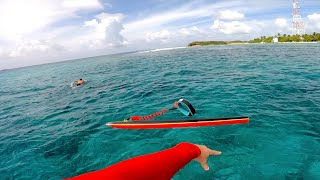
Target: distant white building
275	40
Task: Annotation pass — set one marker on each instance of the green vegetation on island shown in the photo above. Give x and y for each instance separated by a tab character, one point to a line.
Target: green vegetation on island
288	38
315	37
206	43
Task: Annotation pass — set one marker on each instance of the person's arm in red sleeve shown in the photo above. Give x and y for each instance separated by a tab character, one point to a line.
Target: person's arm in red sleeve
160	165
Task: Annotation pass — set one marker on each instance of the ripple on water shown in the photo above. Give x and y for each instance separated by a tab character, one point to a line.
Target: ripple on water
62	133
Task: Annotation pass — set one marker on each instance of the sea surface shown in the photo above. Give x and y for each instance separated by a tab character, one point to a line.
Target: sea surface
50	131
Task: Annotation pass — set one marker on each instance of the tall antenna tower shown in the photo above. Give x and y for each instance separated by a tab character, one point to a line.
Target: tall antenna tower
297	24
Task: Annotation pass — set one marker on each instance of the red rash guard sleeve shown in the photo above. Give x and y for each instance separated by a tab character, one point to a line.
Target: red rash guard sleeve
156	166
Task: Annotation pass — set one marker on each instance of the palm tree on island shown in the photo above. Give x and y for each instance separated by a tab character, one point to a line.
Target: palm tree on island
314	37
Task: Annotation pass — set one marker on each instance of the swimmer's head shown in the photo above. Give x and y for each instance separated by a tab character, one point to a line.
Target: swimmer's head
80	79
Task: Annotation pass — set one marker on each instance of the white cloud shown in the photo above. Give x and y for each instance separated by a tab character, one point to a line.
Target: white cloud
19	17
195	28
162	35
82	4
32	47
27	28
189	31
281	22
188	11
184	31
1	52
25	18
313	23
233	27
105	30
314	17
230	15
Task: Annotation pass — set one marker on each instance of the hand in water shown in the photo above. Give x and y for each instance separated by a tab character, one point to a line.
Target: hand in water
205	153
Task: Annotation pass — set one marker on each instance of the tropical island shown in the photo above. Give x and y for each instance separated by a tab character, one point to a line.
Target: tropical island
315	37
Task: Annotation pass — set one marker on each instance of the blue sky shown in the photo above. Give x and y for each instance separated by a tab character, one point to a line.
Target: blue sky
42	31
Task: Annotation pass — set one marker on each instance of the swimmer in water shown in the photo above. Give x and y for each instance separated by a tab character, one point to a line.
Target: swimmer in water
79	82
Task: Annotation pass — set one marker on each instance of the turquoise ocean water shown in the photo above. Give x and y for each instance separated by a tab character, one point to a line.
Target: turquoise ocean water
51	131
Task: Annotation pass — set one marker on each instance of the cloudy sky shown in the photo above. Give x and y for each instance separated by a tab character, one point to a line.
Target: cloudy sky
42	31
